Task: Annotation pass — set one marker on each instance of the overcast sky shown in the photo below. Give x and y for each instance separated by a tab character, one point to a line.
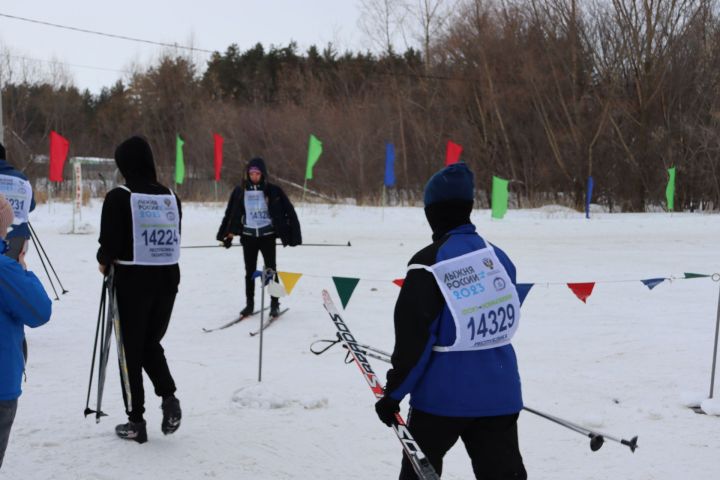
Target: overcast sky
206	24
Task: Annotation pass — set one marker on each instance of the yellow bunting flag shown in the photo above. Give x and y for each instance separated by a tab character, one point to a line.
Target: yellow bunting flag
289	280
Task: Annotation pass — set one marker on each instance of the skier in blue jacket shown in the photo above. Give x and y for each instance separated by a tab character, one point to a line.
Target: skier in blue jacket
454	318
23	301
16	188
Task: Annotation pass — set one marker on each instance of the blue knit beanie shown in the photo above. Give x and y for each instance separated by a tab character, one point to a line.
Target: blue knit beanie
454	182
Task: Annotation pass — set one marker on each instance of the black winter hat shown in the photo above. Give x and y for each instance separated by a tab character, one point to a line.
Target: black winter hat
135	160
454	182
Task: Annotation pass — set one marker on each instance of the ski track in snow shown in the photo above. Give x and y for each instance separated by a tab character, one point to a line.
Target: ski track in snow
622	364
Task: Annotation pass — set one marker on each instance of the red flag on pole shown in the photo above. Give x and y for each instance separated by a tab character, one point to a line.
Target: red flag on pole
453	152
399	282
59	147
218	155
582	290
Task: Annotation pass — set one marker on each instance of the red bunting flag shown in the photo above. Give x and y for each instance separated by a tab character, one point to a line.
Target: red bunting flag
399	282
452	154
218	155
582	290
59	147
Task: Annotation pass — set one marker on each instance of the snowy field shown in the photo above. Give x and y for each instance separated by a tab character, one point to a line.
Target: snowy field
621	364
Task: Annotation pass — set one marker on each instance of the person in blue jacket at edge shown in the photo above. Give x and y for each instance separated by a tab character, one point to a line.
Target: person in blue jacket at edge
23	301
16	188
454	318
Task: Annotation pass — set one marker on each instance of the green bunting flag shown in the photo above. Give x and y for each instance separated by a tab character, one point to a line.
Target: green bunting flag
499	197
695	275
345	287
314	152
179	160
670	190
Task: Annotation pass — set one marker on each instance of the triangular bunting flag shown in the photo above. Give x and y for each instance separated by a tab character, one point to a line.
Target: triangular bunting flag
582	290
695	275
651	283
345	287
276	289
523	289
399	282
289	280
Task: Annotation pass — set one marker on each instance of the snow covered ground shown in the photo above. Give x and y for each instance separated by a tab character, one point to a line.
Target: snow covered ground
621	364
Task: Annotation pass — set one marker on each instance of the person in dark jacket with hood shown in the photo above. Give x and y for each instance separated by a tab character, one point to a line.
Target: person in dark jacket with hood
454	318
15	186
260	212
140	241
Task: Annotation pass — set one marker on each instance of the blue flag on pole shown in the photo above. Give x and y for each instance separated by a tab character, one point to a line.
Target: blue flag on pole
588	197
389	165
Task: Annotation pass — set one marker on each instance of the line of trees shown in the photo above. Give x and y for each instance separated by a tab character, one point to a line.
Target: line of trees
542	92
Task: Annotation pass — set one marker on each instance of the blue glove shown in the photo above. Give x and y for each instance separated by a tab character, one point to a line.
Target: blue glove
386	409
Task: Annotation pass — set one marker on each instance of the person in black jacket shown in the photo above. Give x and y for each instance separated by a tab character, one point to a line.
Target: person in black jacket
259	212
140	240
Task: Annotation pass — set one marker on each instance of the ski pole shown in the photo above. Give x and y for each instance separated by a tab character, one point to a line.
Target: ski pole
101	314
381	355
32	231
596	438
32	237
348	244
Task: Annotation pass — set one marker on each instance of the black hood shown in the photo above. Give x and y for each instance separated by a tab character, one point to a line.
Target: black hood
135	160
259	163
445	216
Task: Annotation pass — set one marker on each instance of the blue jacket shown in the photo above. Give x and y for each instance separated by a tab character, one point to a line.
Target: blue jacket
21	230
477	383
23	301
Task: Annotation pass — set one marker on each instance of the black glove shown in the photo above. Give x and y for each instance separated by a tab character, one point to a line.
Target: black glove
227	242
386	409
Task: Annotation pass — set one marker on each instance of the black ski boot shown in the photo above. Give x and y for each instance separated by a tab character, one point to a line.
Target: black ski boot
274	307
171	415
132	431
248	310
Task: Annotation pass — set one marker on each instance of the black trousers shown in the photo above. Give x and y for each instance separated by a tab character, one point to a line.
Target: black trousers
144	319
491	443
251	247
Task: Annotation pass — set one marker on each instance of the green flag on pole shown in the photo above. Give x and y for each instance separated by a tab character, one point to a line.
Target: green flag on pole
345	287
670	190
314	152
179	160
499	197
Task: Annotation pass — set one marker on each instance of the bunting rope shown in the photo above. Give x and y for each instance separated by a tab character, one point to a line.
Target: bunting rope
345	286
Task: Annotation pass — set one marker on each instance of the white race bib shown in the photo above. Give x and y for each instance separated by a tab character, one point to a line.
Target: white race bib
156	229
19	194
256	209
483	301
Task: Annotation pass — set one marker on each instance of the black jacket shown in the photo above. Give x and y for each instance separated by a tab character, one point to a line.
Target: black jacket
134	159
282	213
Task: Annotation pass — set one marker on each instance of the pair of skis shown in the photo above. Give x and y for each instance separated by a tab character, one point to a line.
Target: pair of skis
269	321
233	322
108	319
419	461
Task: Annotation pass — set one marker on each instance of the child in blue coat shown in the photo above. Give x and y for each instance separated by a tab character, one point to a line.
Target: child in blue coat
23	301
